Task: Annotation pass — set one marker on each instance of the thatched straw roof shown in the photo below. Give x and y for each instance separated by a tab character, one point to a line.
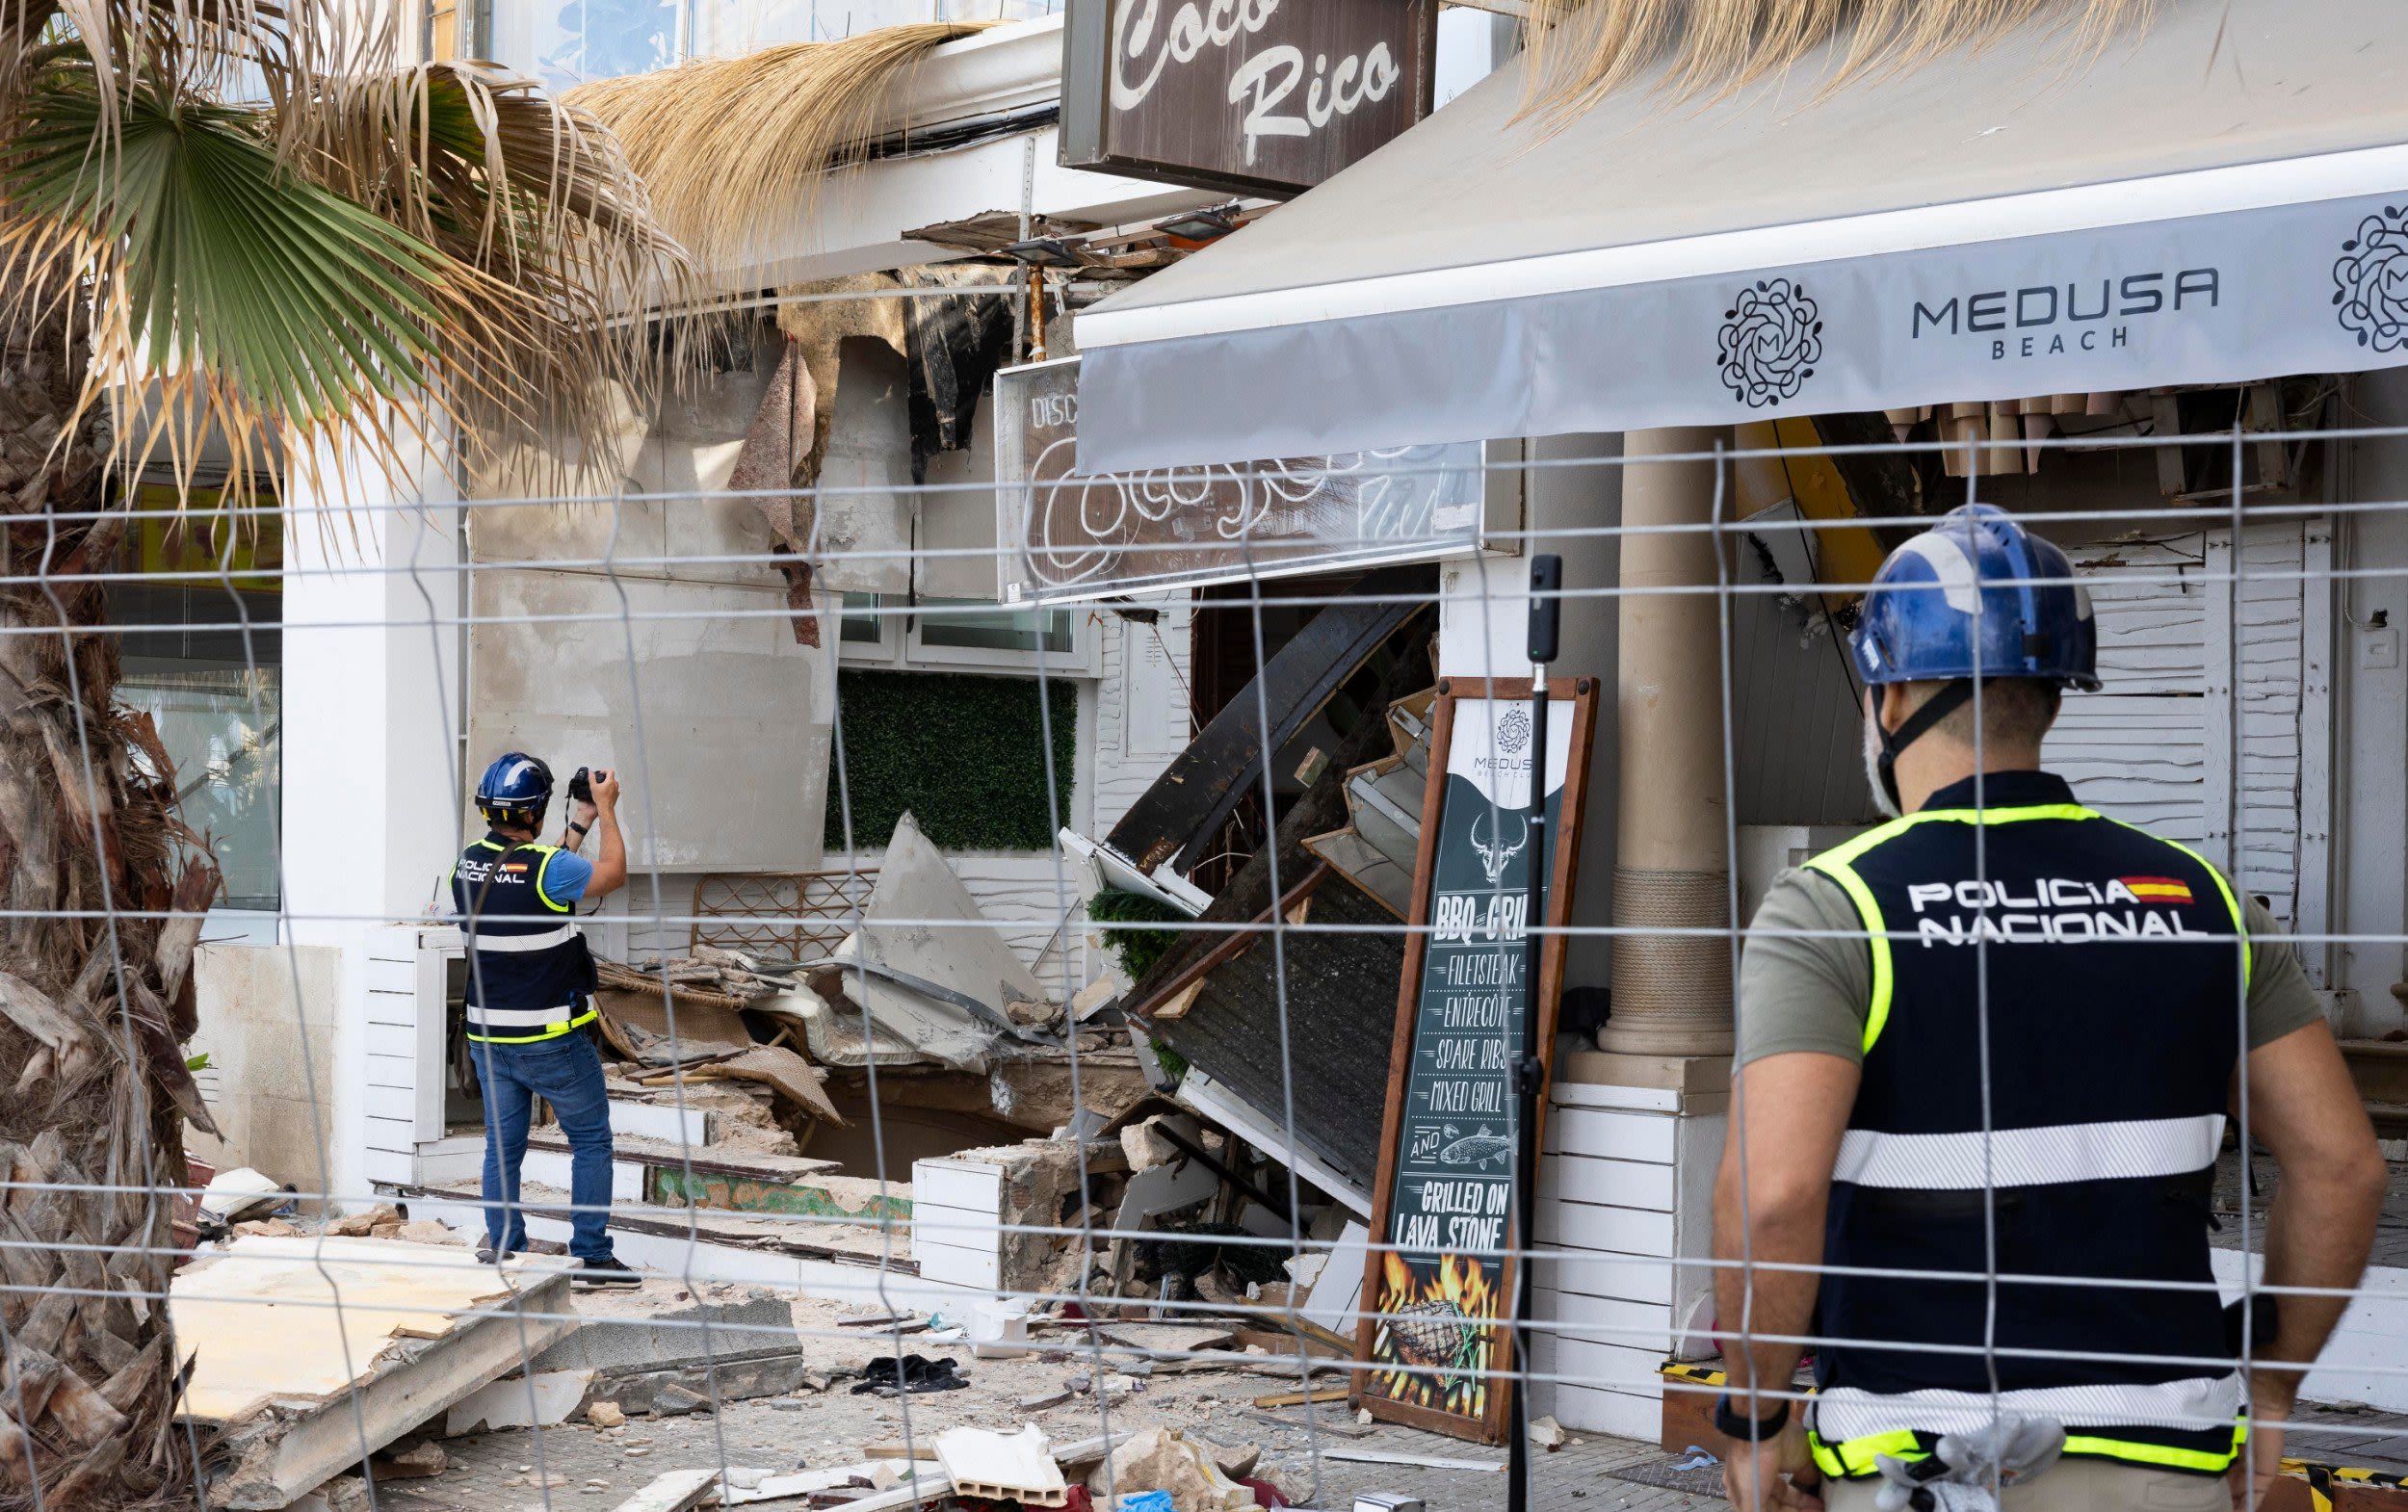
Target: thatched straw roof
1580	50
735	150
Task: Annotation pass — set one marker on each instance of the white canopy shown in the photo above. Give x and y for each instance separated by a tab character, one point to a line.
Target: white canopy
2224	197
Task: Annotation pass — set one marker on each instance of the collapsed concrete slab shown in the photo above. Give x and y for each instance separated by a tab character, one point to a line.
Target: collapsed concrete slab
300	1388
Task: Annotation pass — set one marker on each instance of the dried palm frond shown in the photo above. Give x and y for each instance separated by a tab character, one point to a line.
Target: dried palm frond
534	195
1583	50
737	149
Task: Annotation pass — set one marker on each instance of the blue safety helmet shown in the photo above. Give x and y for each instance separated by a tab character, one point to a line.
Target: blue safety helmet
516	791
1976	595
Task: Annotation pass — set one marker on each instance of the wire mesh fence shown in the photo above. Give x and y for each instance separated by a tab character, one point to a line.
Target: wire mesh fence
926	1088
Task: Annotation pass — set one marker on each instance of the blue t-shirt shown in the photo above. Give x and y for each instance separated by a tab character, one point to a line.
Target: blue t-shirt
564	877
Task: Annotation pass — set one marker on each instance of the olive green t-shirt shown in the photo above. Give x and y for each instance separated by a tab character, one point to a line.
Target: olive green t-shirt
1812	992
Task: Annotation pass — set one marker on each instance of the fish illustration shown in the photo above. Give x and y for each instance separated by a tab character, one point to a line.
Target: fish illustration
1476	1149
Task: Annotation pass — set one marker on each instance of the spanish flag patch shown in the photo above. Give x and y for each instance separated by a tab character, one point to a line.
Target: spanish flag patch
2158	889
522	866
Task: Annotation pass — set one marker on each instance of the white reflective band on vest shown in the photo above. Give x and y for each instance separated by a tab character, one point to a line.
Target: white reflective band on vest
2030	1157
521	1017
2208	1401
508	942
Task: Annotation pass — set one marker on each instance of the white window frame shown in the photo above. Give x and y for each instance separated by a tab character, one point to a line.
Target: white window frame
902	645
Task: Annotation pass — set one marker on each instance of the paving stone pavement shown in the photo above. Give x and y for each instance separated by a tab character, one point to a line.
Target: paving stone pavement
596	1472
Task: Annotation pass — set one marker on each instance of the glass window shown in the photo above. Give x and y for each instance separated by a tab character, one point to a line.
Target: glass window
966	622
863	625
204	659
566	43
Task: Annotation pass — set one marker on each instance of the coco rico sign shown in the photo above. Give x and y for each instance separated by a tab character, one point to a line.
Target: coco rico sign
1257	96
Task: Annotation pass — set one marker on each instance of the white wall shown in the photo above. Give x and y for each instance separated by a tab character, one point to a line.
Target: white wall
270	1016
2370	703
371	728
569	662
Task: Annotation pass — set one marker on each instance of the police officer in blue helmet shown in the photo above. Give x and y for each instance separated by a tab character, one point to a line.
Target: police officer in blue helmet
530	998
1988	1051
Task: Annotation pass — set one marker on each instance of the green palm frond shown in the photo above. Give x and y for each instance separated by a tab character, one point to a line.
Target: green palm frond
225	260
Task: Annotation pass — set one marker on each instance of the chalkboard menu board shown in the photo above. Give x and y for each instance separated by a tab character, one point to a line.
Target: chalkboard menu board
1438	1279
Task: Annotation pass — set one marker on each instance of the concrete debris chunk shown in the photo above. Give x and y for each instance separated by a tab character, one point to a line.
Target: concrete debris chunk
1163	1459
1547	1433
362	1225
605	1414
1146	1145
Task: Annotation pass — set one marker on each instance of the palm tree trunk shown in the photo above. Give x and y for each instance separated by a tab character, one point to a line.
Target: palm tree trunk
96	987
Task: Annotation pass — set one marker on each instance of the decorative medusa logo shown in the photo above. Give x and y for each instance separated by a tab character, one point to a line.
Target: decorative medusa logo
1513	731
1770	340
2371	281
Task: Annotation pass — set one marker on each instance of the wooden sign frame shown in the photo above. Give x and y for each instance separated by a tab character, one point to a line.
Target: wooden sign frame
1573	699
1181	132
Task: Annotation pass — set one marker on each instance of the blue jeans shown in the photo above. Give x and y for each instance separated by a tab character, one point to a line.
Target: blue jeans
565	1072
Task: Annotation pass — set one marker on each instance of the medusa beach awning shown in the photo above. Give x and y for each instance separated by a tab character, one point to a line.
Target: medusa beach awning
2223	197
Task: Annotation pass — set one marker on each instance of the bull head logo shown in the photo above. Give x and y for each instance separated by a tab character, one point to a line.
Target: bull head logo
1494	851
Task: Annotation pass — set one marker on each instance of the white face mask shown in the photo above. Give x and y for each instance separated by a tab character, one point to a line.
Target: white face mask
1881	798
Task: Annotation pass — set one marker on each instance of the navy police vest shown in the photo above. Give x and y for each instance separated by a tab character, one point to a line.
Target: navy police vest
2116	967
530	977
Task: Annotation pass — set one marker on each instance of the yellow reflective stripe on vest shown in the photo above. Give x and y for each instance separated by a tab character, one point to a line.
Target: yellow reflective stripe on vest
1856	1458
542	897
554	1032
1838	864
1853	1460
2213	1462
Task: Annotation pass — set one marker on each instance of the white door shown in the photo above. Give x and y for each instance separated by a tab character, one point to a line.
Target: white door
2155	746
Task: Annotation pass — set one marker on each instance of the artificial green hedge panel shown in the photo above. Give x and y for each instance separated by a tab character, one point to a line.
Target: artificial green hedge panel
965	755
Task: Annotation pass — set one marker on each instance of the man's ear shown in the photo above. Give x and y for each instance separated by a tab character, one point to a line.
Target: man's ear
1890	704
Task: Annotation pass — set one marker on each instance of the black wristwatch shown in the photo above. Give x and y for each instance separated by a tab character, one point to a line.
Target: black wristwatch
1750	1430
576	829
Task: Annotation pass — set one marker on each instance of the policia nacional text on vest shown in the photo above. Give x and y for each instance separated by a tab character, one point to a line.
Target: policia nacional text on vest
530	977
2115	964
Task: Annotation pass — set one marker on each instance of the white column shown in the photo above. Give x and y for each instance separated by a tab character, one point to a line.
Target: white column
372	701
